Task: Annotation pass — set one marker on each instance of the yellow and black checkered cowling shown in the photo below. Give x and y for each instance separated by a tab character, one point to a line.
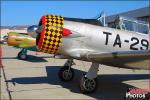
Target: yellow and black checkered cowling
50	38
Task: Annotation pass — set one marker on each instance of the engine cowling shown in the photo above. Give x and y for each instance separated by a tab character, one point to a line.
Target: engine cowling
49	34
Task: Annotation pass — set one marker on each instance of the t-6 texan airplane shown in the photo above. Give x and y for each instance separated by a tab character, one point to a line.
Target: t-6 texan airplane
71	38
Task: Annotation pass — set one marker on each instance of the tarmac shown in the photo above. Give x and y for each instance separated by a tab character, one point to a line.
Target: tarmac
36	78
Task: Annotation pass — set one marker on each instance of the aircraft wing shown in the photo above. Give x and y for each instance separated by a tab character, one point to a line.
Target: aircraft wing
139	59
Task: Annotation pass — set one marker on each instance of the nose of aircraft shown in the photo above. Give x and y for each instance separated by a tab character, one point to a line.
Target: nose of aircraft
12	39
20	40
49	37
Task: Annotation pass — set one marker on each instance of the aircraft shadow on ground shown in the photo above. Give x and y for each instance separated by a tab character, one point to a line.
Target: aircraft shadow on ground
31	58
110	86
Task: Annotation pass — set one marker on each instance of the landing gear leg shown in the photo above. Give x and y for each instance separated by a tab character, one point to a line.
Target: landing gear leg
66	73
88	82
22	55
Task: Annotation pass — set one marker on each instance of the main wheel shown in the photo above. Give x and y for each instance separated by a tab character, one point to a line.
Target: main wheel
22	56
88	85
65	74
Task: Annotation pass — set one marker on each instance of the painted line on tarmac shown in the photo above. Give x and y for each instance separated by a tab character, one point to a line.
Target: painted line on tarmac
5	79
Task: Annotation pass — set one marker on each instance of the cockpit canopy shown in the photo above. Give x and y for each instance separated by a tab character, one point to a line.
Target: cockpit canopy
32	30
129	24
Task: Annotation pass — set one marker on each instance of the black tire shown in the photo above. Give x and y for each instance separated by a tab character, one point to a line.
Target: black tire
84	85
19	54
22	56
63	72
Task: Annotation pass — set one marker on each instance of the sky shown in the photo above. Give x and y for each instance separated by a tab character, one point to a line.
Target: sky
29	12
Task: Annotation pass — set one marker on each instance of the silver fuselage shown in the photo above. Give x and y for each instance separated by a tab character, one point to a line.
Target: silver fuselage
102	40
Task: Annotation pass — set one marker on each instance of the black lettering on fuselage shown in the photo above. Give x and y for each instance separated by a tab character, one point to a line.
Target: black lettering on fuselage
107	37
135	42
117	41
145	44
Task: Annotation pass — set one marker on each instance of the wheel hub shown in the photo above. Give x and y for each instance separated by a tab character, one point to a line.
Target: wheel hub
23	56
89	84
67	74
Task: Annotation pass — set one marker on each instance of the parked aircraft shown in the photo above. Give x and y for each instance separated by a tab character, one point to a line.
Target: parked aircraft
25	41
72	38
